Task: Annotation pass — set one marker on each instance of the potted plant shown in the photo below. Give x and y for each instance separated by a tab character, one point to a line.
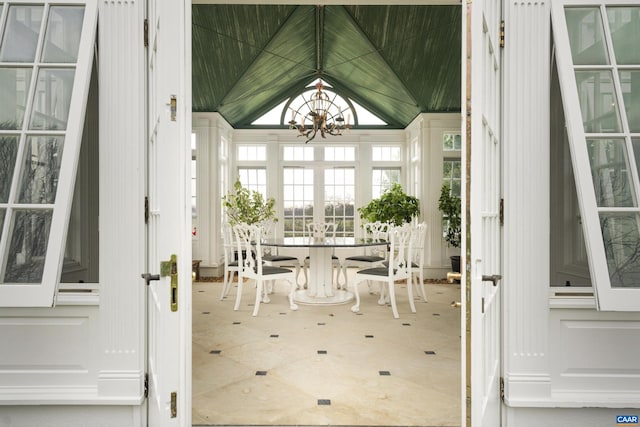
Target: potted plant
249	206
450	205
393	206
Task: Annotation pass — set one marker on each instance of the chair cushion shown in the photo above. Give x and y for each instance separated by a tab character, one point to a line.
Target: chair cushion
376	271
413	264
276	258
266	270
233	264
365	258
332	257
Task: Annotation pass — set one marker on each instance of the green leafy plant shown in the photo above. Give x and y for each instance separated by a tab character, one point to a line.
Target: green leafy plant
393	206
450	205
249	206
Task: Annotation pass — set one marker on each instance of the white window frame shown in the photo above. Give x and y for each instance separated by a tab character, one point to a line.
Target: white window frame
42	294
607	297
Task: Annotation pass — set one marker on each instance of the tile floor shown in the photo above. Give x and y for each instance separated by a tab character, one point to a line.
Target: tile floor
324	365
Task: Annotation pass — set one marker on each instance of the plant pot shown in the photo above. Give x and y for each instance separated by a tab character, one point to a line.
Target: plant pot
455	263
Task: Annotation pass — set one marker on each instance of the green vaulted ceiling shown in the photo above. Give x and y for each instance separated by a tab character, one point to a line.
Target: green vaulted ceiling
396	61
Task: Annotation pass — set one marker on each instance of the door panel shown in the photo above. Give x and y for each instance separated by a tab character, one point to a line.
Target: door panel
169	220
483	151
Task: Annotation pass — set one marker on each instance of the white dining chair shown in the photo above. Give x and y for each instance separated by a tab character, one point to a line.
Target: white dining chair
271	255
398	268
370	257
418	236
322	230
248	239
230	259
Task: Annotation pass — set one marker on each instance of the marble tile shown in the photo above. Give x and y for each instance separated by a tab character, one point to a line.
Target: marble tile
229	347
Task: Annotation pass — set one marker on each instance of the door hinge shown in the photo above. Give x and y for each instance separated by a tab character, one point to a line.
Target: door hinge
146	209
174	404
502	389
146	385
501	213
502	33
145	29
170	268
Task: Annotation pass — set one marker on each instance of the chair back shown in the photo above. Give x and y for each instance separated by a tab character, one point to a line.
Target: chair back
377	231
228	243
248	238
321	229
418	237
400	251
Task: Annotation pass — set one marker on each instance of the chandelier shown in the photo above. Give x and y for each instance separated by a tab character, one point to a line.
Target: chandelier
323	117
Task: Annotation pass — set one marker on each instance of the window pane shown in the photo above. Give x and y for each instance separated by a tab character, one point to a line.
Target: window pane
382	179
41	167
451	142
385	153
625	33
21	34
14	88
597	101
8	153
586	36
298	153
339	154
53	95
622	248
630	82
252	153
62	36
30	234
610	172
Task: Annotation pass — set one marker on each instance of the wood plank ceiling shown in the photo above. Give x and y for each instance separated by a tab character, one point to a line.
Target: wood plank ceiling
396	61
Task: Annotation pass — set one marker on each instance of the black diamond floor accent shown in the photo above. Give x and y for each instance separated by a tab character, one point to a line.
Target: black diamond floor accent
322	351
384	373
282	314
206	312
436	314
321	323
406	324
324	401
368	336
274	336
215	352
430	352
235	323
261	373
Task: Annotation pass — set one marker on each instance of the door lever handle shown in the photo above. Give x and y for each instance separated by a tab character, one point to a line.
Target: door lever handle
493	278
148	277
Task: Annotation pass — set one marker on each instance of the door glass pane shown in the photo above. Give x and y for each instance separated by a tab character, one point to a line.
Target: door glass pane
610	172
297	200
30	234
339	199
40	169
625	33
598	102
8	153
14	88
622	248
21	34
586	36
630	82
52	98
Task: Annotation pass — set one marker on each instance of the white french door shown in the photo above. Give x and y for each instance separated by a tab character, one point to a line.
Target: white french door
482	72
169	218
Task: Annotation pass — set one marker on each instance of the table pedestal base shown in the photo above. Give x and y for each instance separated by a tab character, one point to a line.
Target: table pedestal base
338	297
